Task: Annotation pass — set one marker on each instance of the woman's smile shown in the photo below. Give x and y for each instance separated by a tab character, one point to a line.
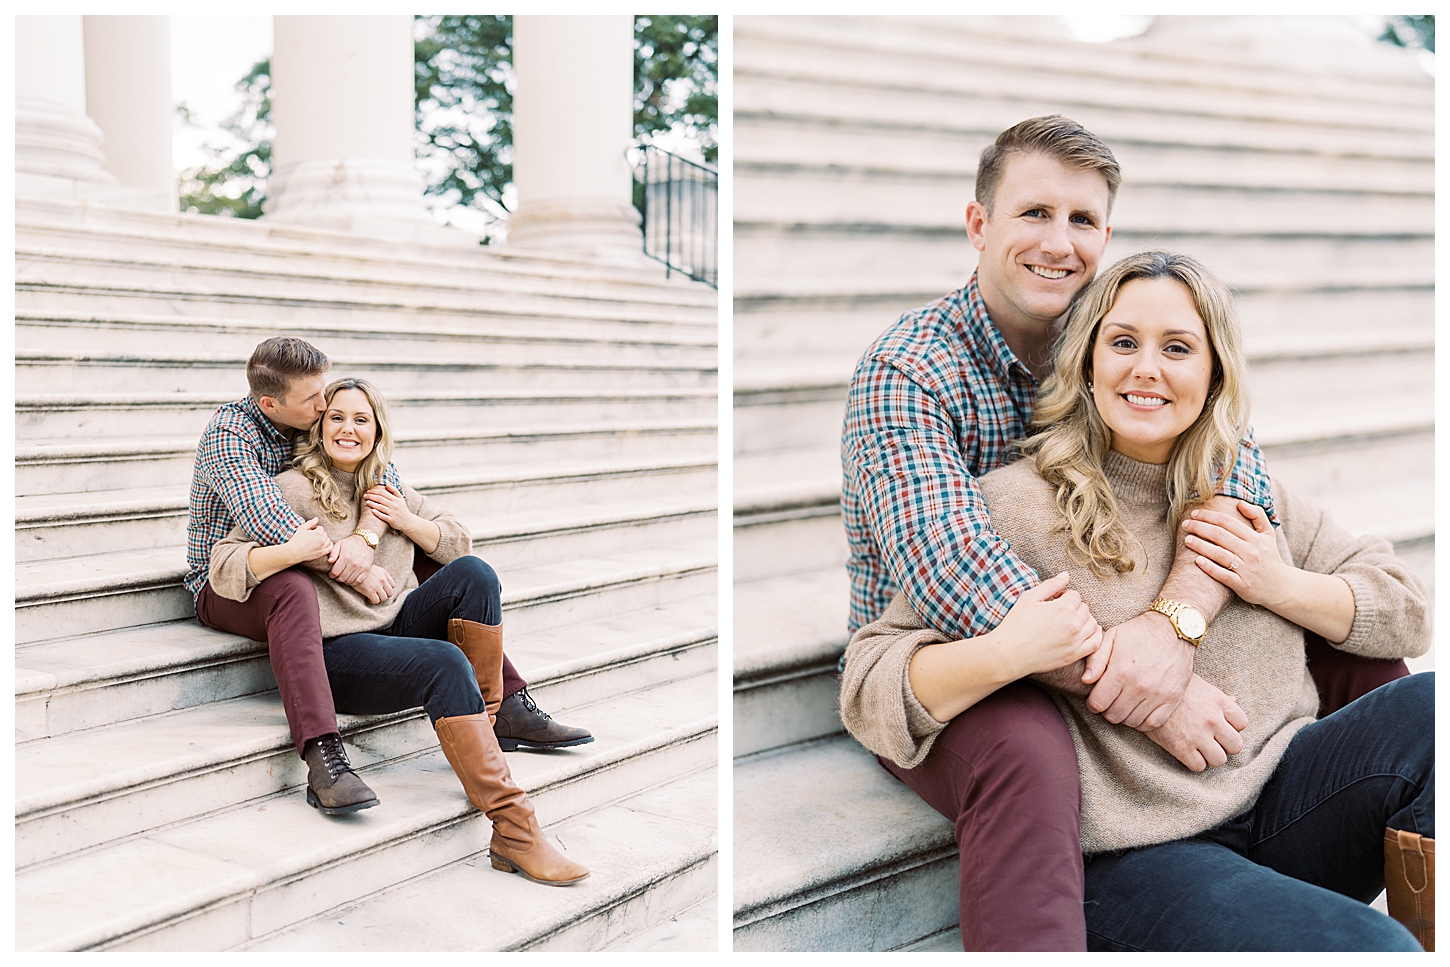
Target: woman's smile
349	429
1152	364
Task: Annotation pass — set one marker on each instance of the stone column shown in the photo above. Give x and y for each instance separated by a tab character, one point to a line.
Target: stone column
573	120
128	94
57	147
342	101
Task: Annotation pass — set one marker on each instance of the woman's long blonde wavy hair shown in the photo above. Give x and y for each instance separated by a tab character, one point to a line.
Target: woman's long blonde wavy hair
1070	441
317	467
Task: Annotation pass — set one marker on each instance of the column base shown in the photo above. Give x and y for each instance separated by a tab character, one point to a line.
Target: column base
371	197
597	228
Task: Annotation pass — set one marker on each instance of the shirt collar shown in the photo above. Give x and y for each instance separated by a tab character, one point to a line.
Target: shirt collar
985	339
269	429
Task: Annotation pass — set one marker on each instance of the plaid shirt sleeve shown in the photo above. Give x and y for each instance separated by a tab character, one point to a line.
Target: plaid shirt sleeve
1249	480
390	476
924	509
228	463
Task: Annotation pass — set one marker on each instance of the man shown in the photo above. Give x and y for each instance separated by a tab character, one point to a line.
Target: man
935	402
245	445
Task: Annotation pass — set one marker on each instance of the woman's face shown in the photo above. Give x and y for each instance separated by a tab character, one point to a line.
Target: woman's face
349	429
1152	363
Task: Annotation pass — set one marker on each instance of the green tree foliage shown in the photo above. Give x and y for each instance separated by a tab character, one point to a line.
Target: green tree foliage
463	97
463	102
234	182
675	78
1411	31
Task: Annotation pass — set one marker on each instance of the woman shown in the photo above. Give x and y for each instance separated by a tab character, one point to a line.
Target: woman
1286	827
438	646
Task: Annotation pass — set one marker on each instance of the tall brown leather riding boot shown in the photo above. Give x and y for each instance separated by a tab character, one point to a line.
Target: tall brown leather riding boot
483	644
1410	883
518	844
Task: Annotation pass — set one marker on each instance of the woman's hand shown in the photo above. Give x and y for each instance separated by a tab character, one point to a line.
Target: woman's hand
1049	627
308	542
391	508
1240	552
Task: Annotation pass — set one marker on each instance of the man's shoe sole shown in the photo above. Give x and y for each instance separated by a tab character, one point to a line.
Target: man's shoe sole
316	803
511	745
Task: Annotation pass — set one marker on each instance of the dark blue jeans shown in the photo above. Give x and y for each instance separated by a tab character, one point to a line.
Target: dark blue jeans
1297	871
412	663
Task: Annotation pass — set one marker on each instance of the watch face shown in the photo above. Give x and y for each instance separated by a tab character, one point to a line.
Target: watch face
1191	623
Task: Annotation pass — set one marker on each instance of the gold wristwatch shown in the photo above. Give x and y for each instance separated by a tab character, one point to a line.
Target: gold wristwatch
368	536
1187	620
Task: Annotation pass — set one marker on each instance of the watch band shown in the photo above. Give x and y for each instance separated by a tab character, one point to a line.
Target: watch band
1172	610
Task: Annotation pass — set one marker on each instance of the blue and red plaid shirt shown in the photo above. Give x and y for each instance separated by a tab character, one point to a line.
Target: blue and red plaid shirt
238	455
936	402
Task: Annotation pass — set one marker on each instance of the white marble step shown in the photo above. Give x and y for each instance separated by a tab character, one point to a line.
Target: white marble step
833	196
70	684
64	466
833	853
789	632
239	247
96	417
652	863
482	339
78	596
79	789
1379	75
766	145
101	265
39	371
256	867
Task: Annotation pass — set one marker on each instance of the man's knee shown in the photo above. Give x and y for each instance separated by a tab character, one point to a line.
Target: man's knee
1016	728
288	595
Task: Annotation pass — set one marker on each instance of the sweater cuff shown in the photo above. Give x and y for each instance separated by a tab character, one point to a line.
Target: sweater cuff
919	722
1366	615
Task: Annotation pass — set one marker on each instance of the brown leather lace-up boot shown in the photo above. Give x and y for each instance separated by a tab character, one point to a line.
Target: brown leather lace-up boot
522	724
1410	883
483	645
332	786
518	845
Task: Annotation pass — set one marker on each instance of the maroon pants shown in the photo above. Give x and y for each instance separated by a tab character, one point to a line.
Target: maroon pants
282	611
1005	772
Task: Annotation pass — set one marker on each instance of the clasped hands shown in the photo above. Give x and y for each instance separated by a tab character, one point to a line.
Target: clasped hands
350	560
1140	670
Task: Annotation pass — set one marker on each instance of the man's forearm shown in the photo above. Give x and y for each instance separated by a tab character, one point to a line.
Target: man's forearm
1187	582
1067	679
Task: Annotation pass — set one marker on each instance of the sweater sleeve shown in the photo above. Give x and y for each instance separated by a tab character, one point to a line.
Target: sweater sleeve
454	541
1391	605
230	574
878	706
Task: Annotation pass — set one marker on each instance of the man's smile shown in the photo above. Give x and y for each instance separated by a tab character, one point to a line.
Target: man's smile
1048	273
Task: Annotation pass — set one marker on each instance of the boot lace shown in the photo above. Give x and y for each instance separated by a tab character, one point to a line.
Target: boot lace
334	756
528	701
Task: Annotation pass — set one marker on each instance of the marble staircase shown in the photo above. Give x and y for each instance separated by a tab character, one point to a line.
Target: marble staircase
1305	181
565	409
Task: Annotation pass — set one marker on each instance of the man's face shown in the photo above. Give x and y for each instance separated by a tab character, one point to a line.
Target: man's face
1042	242
303	404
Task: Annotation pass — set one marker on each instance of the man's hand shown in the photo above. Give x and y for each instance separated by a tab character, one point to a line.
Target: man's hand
351	558
1147	673
1204	728
376	585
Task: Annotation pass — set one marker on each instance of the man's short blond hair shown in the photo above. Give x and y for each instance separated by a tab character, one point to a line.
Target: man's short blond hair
1055	136
280	361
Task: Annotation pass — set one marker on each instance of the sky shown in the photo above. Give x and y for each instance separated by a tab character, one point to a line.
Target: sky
208	56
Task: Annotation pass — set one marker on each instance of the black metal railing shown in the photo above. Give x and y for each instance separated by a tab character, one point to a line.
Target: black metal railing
679	201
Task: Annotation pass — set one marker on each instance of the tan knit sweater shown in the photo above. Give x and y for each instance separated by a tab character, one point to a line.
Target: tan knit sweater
343	610
1134	792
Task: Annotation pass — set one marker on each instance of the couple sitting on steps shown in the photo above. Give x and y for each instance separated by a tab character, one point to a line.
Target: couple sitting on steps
319	561
1160	697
